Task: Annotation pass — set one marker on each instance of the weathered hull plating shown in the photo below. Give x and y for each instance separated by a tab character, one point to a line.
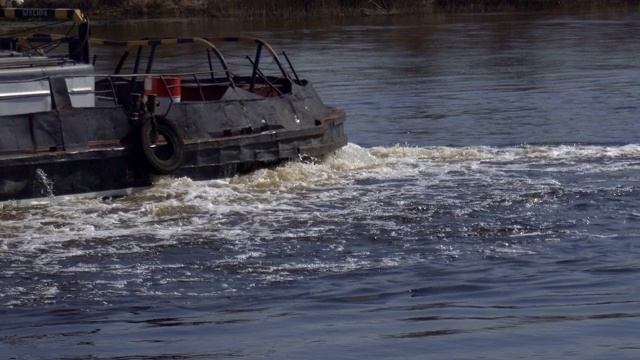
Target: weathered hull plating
66	130
97	150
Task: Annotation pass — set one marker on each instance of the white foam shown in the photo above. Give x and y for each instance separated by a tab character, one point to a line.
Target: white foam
297	200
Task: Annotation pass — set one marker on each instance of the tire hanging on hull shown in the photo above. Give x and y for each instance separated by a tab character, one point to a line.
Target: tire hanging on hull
165	156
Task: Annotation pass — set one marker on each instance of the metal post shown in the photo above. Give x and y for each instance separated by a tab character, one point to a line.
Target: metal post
252	85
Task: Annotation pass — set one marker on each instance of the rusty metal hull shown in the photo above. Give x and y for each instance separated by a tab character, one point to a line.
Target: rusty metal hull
66	129
98	150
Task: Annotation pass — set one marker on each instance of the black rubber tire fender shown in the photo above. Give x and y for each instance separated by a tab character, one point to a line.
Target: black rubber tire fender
163	158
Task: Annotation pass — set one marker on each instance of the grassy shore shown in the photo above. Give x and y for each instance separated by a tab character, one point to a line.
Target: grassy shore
248	9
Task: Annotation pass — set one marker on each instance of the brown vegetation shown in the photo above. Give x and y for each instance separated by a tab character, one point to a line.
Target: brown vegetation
304	8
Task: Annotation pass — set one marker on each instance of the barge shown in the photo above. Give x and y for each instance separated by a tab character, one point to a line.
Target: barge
68	129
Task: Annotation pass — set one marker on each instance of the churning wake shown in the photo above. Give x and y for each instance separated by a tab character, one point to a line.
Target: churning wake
176	205
303	219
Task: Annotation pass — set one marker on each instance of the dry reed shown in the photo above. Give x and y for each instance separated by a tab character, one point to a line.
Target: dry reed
309	8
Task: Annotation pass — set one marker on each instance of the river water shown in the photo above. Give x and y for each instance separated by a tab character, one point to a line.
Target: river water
485	207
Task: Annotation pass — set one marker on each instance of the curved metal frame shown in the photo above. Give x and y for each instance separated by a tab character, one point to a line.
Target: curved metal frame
153	43
261	44
206	42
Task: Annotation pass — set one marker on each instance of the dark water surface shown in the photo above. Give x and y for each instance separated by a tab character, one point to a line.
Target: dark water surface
486	207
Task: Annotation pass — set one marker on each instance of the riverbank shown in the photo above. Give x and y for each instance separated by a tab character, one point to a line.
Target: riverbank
311	8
